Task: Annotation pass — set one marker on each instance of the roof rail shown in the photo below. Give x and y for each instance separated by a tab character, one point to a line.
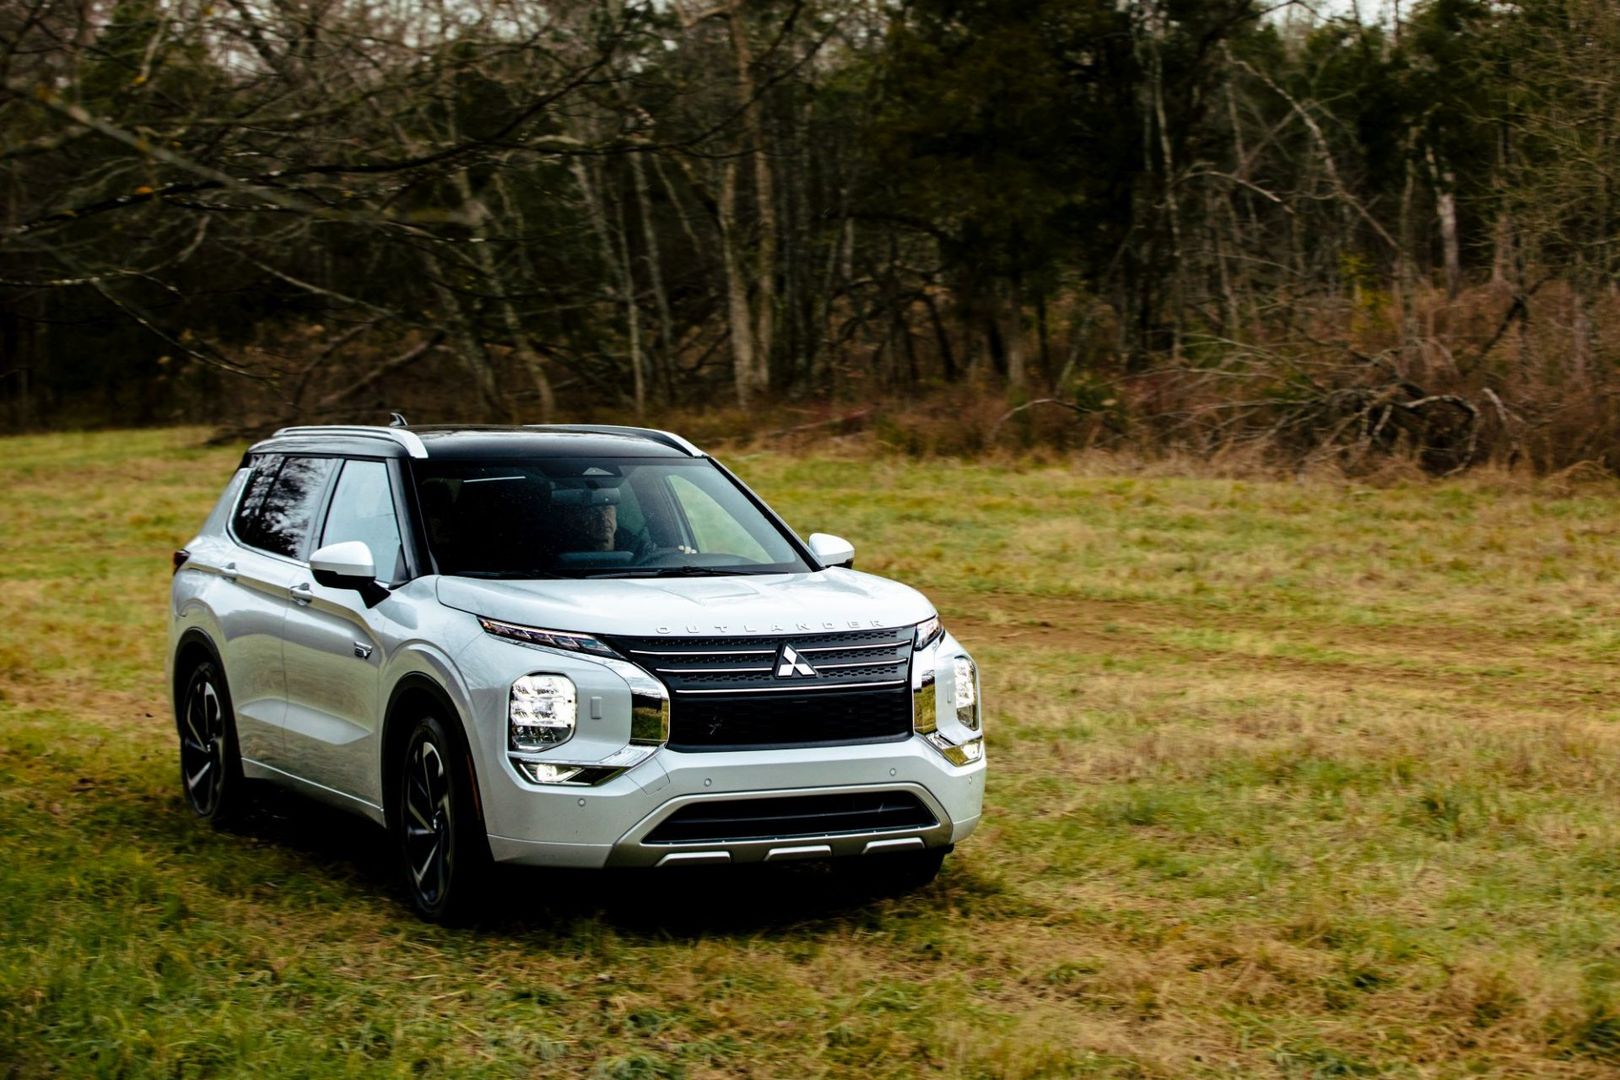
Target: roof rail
667	438
408	439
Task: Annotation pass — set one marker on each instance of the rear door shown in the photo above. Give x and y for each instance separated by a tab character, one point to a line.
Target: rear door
335	646
259	569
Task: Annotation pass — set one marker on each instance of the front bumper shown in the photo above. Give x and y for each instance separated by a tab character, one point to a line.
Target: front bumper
608	824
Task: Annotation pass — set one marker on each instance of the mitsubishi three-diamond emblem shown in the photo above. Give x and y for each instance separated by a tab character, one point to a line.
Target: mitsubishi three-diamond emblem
789	664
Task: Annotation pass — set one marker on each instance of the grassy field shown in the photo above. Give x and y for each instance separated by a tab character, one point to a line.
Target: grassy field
1298	780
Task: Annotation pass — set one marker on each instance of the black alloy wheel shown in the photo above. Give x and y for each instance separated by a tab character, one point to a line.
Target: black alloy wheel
210	764
442	855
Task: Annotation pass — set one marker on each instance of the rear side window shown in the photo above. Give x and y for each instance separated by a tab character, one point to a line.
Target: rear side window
288	507
265	467
363	509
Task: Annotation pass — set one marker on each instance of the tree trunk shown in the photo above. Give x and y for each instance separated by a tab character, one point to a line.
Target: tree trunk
495	285
1012	341
615	260
764	199
468	346
738	316
1501	248
1405	265
664	355
528	354
1445	200
947	355
632	315
1172	205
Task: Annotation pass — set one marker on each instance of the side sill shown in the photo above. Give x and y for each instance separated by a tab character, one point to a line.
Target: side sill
258	770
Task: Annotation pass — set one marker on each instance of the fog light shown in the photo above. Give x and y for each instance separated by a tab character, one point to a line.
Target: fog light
965	754
541	712
967	694
542	773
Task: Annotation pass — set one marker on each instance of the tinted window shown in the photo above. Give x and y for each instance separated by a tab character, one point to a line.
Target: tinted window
264	471
289	506
363	509
554	517
714	529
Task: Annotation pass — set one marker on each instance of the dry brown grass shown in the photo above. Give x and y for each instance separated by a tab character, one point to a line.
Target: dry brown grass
1299	778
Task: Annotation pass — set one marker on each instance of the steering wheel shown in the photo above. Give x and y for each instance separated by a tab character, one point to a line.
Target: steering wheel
660	556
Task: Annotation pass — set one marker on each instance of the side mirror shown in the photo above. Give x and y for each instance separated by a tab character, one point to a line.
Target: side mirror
832	550
348	565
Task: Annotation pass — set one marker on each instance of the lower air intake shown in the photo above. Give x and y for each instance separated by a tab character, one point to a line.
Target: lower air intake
790	816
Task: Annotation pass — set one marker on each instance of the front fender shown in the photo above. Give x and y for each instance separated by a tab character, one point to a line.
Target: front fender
418	659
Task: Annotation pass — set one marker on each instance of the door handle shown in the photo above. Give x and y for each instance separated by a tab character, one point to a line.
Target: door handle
301	593
228	571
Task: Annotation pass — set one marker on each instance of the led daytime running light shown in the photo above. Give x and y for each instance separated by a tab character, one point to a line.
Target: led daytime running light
551	639
929	631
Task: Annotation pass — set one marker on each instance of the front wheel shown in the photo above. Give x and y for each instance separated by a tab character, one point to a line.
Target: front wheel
210	762
443	858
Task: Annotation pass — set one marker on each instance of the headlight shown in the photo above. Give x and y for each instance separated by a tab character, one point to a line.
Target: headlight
967	693
540	712
554	639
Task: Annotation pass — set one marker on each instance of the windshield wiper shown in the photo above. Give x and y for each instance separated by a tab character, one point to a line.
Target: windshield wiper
508	575
670	571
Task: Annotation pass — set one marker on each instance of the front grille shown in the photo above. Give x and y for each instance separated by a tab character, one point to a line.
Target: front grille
786	817
726	693
759	721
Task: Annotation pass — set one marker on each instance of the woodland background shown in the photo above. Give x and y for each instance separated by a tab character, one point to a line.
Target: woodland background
1217	227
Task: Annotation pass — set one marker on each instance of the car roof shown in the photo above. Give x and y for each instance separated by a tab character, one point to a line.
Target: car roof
474	441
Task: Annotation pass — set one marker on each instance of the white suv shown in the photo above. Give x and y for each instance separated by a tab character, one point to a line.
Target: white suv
563	646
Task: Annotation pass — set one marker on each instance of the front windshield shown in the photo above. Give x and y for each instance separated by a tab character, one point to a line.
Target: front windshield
602	517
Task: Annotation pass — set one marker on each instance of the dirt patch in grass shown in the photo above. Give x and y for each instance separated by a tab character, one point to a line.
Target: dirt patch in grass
1432	660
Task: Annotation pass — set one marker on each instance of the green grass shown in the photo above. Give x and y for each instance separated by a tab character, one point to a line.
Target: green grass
1287	779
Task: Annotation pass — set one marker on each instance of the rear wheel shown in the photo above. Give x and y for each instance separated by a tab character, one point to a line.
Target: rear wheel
210	761
443	858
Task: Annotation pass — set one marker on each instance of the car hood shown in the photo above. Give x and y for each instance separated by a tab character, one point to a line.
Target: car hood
827	600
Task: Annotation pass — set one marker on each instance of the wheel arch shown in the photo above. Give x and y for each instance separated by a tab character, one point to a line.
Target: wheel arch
193	647
412	695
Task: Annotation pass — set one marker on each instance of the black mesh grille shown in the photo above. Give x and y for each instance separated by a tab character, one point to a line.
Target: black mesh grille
727	722
726	692
720	820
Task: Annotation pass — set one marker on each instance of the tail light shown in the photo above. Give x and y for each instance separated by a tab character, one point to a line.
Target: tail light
180	557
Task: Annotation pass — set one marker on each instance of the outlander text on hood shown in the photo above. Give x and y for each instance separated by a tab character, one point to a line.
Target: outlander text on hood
562	646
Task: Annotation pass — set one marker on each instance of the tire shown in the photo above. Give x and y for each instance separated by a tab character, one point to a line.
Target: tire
210	759
443	855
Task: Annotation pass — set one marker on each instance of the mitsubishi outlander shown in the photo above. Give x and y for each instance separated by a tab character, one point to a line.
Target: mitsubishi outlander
563	646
